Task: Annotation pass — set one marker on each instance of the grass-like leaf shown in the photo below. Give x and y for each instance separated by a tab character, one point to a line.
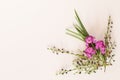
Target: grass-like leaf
81	31
74	34
80	23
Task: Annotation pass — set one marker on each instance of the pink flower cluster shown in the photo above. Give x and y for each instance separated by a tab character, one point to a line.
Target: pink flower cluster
93	46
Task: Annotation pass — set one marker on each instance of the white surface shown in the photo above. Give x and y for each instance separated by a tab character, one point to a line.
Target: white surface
28	27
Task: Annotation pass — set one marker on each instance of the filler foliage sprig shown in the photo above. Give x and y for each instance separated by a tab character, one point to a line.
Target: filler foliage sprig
97	55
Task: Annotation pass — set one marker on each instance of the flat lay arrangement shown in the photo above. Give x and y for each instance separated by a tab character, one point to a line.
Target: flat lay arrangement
97	54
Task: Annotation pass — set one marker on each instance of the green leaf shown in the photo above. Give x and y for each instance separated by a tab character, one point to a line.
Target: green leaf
80	35
80	23
79	30
74	34
104	59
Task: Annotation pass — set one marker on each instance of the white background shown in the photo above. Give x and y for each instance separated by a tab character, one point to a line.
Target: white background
28	27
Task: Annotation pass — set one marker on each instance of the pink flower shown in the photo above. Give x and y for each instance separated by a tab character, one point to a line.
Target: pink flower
102	49
89	52
87	45
101	46
90	39
93	46
88	55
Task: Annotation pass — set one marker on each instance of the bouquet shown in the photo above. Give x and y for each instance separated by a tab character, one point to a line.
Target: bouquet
97	54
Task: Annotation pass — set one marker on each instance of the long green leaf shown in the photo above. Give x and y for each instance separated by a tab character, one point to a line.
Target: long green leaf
80	35
80	23
78	20
79	30
74	34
